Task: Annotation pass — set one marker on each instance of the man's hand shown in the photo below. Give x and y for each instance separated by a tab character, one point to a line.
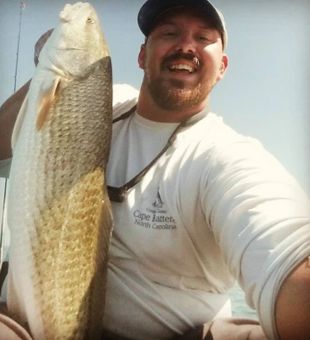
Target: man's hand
10	330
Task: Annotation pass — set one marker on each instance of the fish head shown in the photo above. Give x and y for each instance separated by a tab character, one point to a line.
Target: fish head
77	42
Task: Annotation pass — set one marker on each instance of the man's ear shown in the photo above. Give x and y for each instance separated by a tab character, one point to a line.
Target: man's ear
141	57
223	66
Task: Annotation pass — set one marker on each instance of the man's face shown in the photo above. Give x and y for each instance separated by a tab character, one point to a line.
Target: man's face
182	60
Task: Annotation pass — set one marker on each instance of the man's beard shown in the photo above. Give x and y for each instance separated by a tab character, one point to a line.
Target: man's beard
174	95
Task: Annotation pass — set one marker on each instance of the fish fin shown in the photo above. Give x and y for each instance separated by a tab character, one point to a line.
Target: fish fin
46	102
19	121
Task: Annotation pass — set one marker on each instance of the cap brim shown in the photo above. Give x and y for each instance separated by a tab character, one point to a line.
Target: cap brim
153	9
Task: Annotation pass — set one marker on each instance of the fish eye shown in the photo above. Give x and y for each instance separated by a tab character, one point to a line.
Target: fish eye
90	20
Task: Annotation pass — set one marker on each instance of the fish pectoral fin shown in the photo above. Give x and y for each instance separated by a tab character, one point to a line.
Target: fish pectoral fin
47	100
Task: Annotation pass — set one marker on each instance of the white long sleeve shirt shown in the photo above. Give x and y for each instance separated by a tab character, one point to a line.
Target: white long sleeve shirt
216	206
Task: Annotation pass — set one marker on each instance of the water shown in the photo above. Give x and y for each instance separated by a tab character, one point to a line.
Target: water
239	306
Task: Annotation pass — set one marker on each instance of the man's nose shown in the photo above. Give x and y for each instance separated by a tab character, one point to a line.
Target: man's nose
186	44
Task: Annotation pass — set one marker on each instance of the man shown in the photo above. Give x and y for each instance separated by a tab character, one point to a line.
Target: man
210	205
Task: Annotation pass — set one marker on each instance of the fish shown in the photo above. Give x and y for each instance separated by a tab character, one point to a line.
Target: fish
58	210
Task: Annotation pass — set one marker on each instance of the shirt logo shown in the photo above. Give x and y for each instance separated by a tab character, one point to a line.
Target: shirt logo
158	203
154	216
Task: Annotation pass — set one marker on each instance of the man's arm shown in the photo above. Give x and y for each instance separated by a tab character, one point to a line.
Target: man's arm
8	113
293	304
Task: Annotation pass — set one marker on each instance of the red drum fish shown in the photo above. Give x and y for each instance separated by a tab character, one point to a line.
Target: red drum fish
59	213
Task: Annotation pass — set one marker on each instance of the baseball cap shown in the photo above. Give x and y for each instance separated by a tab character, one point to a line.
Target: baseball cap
152	9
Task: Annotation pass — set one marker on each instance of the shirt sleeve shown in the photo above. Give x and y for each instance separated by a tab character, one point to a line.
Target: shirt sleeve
260	219
124	98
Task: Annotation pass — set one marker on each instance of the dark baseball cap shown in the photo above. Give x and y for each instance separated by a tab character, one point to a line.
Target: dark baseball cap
153	9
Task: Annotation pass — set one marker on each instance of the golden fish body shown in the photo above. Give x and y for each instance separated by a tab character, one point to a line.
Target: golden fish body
59	213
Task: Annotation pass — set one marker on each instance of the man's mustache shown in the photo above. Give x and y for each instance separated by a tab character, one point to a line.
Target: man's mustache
182	55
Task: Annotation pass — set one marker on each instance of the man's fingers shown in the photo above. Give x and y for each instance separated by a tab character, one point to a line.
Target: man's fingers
10	330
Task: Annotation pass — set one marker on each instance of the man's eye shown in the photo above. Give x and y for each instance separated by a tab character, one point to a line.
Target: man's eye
203	38
169	33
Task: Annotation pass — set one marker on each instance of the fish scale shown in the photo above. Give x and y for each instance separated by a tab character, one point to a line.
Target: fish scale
59	212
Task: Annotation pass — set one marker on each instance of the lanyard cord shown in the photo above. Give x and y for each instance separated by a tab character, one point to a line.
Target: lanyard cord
118	194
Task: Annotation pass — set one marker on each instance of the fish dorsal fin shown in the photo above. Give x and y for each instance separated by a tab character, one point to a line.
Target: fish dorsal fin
46	101
19	121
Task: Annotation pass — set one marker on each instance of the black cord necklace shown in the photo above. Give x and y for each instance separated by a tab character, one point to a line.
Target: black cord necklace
119	194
